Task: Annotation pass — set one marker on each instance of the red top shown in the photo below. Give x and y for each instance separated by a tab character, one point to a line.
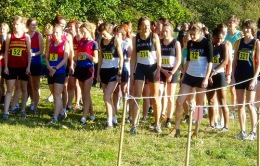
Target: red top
17	53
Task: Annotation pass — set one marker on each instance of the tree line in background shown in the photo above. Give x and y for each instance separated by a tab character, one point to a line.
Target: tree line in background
210	12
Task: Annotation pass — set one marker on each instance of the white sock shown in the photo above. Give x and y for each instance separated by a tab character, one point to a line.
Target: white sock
109	121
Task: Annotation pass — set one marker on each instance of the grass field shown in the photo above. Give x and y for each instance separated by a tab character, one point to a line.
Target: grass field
31	141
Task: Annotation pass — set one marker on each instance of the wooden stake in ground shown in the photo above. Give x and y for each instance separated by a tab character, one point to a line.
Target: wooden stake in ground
191	109
122	131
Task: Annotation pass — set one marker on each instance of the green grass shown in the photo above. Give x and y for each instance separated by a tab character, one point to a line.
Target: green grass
31	141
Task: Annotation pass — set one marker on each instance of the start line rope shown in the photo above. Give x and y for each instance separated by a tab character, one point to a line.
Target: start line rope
194	93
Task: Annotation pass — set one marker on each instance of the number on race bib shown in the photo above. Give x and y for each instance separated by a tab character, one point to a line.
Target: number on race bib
215	60
243	56
194	55
53	57
144	54
165	61
81	57
108	56
16	52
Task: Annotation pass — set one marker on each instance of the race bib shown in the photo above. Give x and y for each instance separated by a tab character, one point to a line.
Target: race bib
108	56
165	61
194	55
53	57
144	54
215	60
243	56
82	57
17	52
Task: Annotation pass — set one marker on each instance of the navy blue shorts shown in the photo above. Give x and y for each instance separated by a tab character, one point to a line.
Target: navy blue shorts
174	76
108	75
193	81
57	78
143	72
36	69
17	73
219	81
83	73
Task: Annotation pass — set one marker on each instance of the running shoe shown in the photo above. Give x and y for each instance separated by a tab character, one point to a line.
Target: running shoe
133	130
232	115
69	108
158	129
109	127
241	135
23	114
150	110
83	120
5	116
32	107
92	117
53	120
129	120
152	126
62	116
14	111
224	130
251	136
168	123
177	133
210	128
186	119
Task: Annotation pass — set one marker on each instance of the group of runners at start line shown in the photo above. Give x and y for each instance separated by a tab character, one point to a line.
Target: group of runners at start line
145	64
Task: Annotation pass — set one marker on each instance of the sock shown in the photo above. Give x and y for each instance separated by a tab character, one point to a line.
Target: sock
109	121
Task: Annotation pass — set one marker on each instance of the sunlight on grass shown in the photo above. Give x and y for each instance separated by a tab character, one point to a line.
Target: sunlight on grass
31	141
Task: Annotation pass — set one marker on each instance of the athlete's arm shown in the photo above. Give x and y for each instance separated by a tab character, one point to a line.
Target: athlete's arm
234	64
100	61
133	60
28	49
178	57
120	54
7	43
40	45
158	51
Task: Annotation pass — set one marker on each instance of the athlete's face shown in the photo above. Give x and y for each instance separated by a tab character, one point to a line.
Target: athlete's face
57	32
62	23
72	28
247	31
77	28
85	33
195	35
33	26
3	30
145	26
166	31
18	26
104	34
217	40
231	24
